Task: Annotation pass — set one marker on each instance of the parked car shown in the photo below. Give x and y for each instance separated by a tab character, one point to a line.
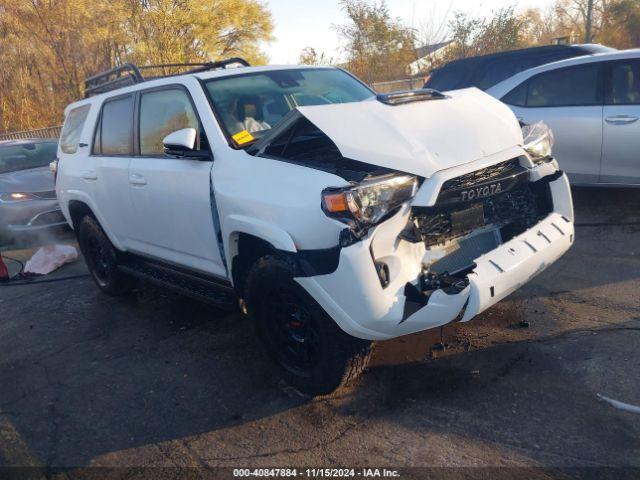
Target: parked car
485	71
592	105
27	193
336	216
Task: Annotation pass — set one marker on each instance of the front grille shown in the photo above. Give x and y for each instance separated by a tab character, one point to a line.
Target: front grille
480	176
512	211
48	195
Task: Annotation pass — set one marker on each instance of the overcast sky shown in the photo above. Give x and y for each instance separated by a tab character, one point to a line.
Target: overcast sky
301	23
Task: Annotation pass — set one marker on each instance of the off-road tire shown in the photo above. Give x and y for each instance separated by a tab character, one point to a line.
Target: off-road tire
335	358
101	258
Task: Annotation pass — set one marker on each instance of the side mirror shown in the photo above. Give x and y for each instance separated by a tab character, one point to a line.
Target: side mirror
182	143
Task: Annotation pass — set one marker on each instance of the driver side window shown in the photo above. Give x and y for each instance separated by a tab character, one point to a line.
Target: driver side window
161	113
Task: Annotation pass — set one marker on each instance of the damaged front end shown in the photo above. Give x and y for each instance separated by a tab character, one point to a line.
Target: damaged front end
428	236
464	243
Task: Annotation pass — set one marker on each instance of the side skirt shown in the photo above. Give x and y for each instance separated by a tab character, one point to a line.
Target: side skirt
206	288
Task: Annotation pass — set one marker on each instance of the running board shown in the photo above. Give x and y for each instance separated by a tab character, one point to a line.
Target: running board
209	289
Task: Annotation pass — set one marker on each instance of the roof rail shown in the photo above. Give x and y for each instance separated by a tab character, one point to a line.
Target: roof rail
130	74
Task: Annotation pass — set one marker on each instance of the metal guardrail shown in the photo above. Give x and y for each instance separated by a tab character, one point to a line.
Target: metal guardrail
48	132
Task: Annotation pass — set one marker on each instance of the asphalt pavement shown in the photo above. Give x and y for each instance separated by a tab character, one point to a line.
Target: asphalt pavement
157	380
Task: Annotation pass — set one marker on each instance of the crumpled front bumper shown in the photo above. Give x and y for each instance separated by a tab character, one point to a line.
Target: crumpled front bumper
354	297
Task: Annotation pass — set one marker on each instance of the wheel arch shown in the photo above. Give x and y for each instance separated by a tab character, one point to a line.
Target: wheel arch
78	209
245	250
249	239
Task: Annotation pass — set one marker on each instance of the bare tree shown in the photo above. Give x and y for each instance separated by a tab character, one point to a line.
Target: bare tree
310	56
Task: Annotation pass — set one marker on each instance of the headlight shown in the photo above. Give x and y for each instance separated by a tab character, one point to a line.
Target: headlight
538	141
16	197
370	201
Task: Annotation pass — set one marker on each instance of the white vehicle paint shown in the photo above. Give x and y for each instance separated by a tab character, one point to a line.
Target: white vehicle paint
416	138
598	139
373	271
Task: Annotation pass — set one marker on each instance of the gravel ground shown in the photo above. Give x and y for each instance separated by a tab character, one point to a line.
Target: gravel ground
163	381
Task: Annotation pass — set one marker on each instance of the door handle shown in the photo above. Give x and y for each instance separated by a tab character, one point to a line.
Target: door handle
137	180
89	175
621	119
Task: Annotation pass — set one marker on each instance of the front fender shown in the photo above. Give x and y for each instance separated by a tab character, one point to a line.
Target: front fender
276	236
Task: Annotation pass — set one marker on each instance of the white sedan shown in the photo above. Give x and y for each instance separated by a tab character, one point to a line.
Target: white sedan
592	105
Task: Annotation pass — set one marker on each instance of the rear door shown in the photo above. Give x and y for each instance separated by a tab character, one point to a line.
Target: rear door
621	128
570	101
108	169
171	197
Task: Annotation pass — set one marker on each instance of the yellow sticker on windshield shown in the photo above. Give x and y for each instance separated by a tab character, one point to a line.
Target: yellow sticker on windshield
242	137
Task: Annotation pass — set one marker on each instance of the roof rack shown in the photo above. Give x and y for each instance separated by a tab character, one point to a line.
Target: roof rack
130	74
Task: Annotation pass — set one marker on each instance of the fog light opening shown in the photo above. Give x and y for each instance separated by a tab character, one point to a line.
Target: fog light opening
383	273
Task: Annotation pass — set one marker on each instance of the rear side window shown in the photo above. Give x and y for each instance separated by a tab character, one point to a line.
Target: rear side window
517	96
161	113
114	129
565	87
72	129
625	83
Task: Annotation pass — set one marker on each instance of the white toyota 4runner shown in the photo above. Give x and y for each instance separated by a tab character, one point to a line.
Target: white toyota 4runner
335	215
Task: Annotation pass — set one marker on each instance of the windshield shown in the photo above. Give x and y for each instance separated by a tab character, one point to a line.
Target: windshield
26	155
250	105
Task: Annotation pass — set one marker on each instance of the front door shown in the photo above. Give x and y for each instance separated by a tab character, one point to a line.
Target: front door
170	196
621	129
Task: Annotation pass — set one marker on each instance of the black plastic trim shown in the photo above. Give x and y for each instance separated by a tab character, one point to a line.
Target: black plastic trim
128	258
310	263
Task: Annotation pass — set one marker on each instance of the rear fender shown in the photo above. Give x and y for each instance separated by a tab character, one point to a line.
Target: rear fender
81	197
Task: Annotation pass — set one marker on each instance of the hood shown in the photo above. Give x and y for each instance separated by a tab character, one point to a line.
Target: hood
420	137
32	180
